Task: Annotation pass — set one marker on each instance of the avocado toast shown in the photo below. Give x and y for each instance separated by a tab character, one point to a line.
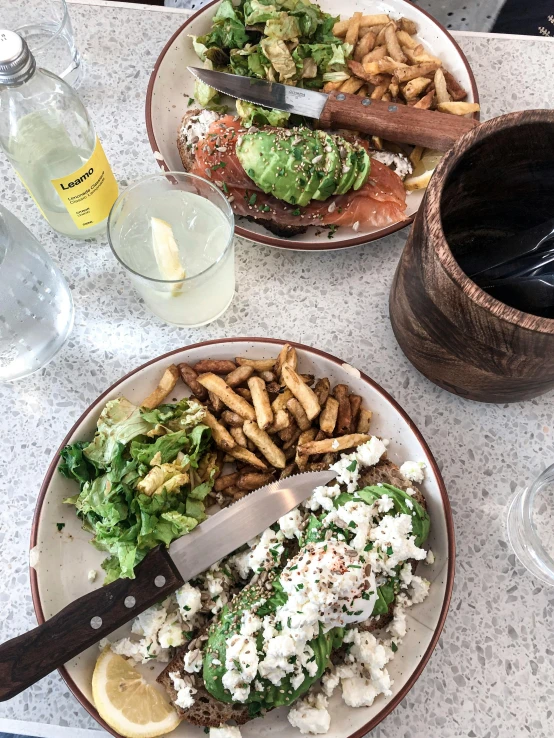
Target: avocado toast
300	600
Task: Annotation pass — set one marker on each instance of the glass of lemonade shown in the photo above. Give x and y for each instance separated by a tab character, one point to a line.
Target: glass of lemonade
173	232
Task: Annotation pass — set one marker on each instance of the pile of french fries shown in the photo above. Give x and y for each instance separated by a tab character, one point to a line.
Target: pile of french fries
389	64
267	419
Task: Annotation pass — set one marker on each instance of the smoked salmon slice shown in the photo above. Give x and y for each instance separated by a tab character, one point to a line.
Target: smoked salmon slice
381	200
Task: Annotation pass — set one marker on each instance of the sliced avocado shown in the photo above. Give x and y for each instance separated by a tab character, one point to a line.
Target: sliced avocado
280	162
363	166
331	166
349	170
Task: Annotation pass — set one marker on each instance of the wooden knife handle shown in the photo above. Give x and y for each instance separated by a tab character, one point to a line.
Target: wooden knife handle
29	657
395	122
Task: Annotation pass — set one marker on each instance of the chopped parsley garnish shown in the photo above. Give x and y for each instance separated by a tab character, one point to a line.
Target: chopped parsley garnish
354	566
190	102
60	526
389	551
394	647
236	664
295	212
225	188
293	568
187	608
358	612
369	546
332	231
352	524
265	208
252	199
297	153
299	586
352	467
220	165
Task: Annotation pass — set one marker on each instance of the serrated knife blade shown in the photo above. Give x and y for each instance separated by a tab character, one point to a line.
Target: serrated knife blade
227	530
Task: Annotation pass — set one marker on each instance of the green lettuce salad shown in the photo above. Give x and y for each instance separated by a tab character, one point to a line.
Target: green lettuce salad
288	41
143	479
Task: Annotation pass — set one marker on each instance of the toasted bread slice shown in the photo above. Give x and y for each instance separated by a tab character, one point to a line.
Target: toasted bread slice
186	144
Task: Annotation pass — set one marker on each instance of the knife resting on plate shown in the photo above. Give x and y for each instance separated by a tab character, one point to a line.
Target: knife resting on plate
395	122
29	657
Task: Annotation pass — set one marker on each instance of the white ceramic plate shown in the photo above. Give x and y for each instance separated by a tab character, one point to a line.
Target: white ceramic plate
61	559
171	85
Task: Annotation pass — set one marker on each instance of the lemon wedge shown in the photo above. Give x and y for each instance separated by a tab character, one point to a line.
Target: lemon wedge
126	702
423	171
166	252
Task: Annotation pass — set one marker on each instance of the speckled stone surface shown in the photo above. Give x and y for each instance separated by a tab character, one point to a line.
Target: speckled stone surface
491	674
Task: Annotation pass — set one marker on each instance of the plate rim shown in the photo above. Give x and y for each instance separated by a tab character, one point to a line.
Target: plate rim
391	704
276	241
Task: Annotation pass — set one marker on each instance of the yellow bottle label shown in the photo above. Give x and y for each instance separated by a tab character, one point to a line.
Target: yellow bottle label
89	193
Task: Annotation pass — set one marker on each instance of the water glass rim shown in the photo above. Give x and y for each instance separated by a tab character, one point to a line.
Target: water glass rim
59	29
226	209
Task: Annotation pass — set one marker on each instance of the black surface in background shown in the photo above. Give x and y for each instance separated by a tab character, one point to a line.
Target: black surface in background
519	16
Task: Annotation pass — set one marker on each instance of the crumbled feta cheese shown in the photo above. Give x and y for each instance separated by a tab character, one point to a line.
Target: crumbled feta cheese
189	600
268	551
348	471
196	128
419	589
385	504
149	622
413	471
397	162
329	682
290	524
369	453
370	657
241	665
310	715
409	504
215	580
357	691
397	627
193	661
430	558
322	497
91	576
170	635
335	444
356	516
128	648
250	624
184	691
394	532
241	563
225	731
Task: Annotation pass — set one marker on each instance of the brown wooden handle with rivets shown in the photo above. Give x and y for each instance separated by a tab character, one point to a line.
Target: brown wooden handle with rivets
29	657
394	122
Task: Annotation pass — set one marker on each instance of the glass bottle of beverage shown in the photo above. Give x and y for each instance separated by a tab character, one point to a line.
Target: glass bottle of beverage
36	309
49	139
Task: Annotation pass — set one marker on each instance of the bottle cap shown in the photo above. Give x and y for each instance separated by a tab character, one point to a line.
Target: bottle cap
17	64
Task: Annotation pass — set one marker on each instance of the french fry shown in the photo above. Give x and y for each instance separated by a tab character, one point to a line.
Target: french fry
455	89
219	387
264	444
239	375
376	30
415	87
280	402
355	405
300	459
220	434
351	85
380	39
351	36
215	403
243	454
405	40
229	480
364	46
245	393
394	89
287	433
232	419
287	355
408	26
297	412
328	417
268	376
364	420
441	90
362	92
292	440
379	53
363	32
377	143
379	91
273	388
393	47
386	97
458	108
330	86
238	436
344	417
426	101
385	65
190	378
366	21
166	385
281	420
253	480
259	365
329	445
415	156
405	74
260	400
358	70
288	471
321	390
216	366
304	394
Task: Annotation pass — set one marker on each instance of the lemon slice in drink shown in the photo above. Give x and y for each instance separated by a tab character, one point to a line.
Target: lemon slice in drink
126	702
166	252
423	171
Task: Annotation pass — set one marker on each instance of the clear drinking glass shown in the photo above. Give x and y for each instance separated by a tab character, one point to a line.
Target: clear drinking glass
531	526
173	232
36	309
46	26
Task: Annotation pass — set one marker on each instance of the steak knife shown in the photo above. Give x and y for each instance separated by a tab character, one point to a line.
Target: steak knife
29	657
398	123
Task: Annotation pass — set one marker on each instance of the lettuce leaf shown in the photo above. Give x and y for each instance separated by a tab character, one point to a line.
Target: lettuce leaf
251	114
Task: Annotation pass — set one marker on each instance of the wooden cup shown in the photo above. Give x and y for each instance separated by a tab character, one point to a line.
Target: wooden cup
495	181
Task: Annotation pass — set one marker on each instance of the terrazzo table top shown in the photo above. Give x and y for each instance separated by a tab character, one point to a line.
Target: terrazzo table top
492	672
